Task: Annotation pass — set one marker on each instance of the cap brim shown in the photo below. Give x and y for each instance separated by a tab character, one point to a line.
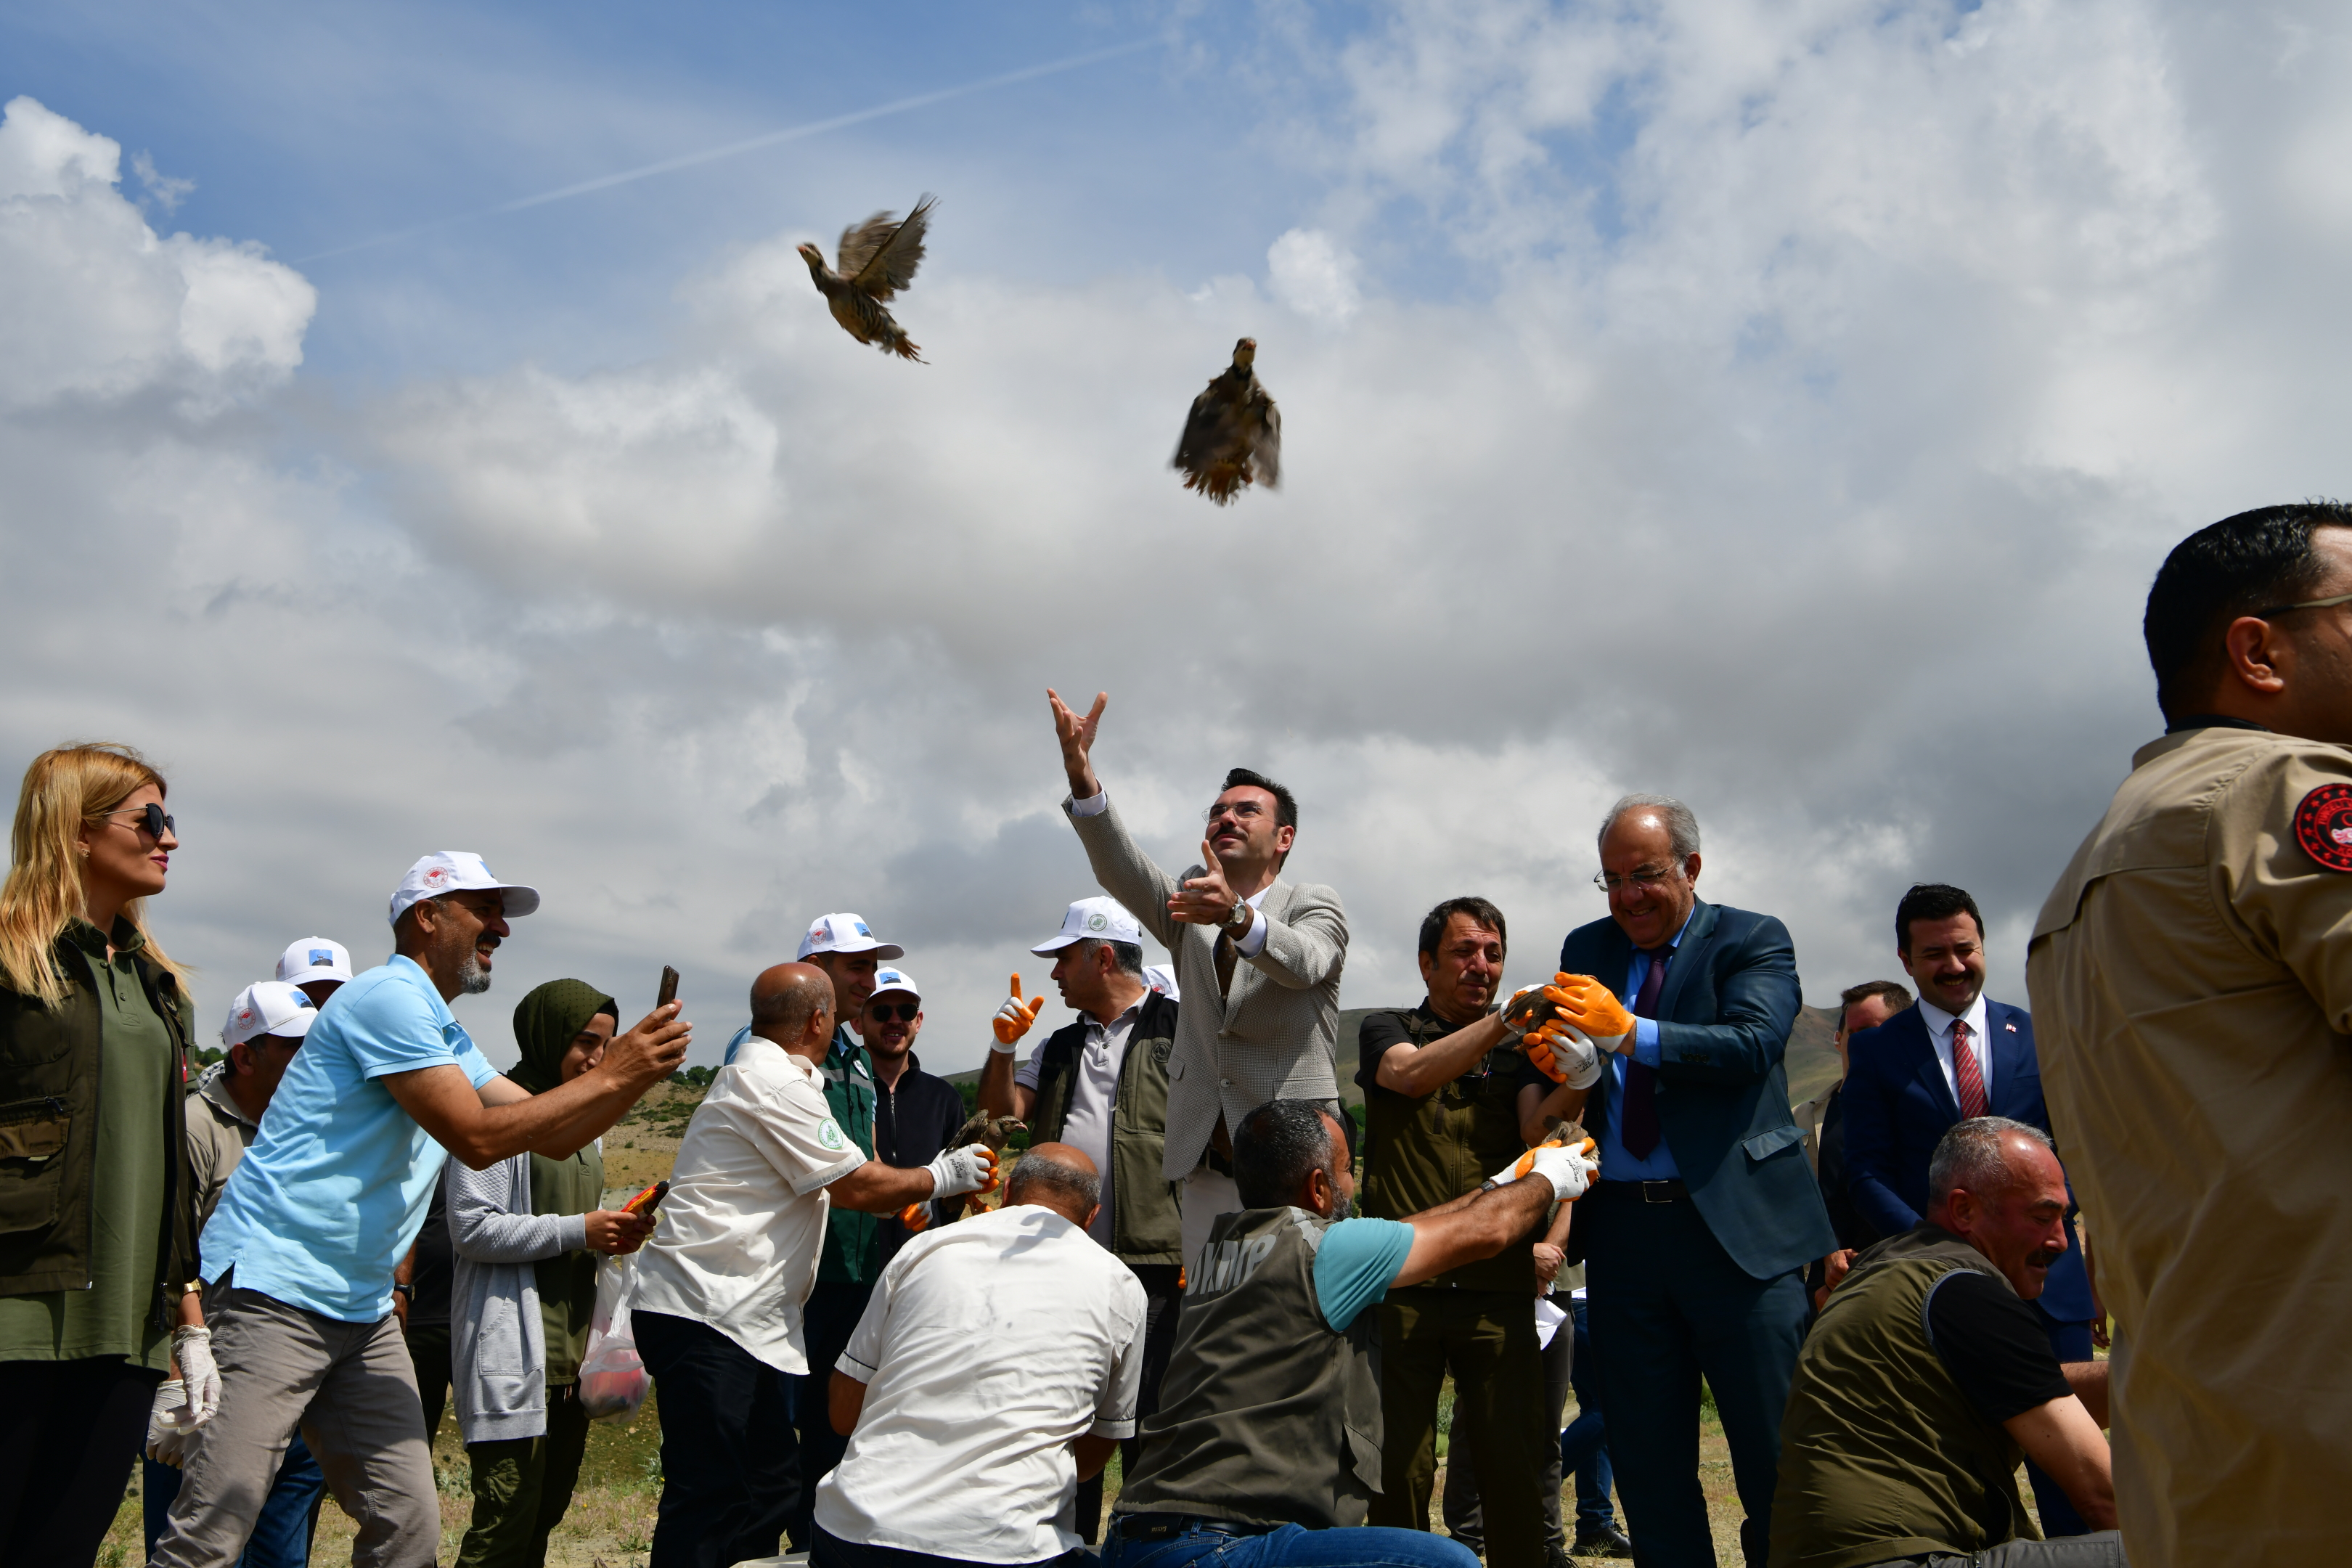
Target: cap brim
897	991
1055	943
518	900
304	977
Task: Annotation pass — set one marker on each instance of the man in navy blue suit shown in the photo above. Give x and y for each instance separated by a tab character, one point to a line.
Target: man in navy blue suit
1705	1213
1952	1055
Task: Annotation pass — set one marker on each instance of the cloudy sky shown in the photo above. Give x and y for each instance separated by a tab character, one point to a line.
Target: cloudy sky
1781	405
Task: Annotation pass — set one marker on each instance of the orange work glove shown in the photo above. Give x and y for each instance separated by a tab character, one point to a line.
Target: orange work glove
915	1217
1565	1055
971	1169
1569	1171
1012	1019
1593	1010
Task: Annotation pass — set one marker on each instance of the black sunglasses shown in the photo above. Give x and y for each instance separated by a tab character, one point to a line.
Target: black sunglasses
903	1013
152	817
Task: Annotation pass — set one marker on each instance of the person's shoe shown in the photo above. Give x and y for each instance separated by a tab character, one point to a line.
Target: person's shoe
1601	1540
1555	1555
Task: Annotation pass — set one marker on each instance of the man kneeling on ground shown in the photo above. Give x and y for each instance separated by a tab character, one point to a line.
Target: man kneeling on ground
1266	1450
995	1368
1928	1374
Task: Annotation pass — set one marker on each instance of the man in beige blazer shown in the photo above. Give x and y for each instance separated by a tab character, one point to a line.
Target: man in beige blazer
1258	960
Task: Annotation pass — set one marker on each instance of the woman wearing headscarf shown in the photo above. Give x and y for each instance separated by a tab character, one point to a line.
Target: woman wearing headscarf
527	1233
97	1210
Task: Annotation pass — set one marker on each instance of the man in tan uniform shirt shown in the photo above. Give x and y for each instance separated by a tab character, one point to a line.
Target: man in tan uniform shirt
2191	977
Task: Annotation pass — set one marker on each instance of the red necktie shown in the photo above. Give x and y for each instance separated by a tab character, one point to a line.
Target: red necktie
1967	1074
1638	1128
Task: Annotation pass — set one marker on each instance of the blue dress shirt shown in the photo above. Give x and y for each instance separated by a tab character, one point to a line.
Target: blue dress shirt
1616	1165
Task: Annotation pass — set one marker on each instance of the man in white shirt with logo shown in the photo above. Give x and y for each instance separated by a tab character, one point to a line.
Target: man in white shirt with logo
720	1288
995	1368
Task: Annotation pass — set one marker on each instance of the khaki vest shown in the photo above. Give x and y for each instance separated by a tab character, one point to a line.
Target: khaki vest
1419	1154
1882	1455
1145	1225
1266	1416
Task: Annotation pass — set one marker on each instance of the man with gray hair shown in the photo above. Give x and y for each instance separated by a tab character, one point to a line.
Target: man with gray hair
1706	1214
995	1368
1930	1376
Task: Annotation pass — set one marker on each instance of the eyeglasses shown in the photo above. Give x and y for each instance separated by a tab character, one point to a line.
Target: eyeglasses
1247	810
2306	604
1640	877
902	1012
152	816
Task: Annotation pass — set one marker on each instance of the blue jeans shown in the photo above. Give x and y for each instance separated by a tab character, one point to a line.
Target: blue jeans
831	1551
281	1536
1291	1546
1584	1445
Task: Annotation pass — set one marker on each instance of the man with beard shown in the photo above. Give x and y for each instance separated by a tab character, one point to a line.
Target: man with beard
299	1257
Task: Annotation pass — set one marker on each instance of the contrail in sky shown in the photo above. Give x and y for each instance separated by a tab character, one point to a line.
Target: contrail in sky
749	144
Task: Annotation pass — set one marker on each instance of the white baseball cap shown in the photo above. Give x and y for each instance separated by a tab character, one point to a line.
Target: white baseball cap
1105	920
846	934
314	958
459	871
1162	979
269	1007
896	980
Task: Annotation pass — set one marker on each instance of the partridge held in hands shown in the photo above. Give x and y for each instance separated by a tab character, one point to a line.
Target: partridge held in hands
877	258
1234	436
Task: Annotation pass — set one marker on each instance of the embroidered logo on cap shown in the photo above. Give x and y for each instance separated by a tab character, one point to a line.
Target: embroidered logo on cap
322	956
1098	921
435	875
862	928
2323	826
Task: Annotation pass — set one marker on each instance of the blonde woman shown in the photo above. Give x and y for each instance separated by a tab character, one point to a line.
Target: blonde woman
96	1213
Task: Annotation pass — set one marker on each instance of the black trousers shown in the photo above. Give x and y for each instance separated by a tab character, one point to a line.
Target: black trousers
1164	1297
69	1432
731	1467
428	1347
827	1320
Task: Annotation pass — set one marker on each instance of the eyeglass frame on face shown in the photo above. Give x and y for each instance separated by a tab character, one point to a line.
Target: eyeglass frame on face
154	821
1642	877
2306	604
1241	810
900	1012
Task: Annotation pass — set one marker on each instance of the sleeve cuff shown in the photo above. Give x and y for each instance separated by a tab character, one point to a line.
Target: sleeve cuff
1252	941
1645	1041
1094	805
574	1232
850	1366
1122	1430
826	1177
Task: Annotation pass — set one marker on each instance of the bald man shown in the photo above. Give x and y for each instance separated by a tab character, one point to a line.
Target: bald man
720	1286
1007	1352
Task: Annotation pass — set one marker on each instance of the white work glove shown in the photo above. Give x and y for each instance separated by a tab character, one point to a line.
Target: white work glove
193	1349
1569	1171
971	1169
1525	1013
1564	1054
167	1428
1012	1019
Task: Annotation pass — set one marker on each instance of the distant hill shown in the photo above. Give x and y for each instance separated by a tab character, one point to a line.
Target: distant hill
1812	1064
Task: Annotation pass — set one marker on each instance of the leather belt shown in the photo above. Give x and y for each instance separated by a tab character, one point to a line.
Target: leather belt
1644	1192
1168	1526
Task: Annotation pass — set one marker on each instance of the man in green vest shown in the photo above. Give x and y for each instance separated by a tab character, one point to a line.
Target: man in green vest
1265	1451
1928	1376
1440	1085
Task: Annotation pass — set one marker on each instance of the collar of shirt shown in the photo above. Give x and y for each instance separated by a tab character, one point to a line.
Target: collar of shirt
1939	1035
1097	1031
2214	721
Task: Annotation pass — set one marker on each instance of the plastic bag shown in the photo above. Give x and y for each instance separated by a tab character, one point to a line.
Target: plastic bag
613	1380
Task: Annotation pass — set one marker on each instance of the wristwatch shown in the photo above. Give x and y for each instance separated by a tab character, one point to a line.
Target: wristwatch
1238	923
407	1290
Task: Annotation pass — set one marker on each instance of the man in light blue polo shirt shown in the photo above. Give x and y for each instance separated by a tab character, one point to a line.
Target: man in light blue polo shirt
298	1256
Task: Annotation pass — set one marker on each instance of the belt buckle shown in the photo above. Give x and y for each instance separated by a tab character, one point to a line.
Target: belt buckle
1656	1193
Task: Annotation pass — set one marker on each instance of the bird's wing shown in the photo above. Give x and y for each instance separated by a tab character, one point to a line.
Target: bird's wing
887	254
1269	441
1206	431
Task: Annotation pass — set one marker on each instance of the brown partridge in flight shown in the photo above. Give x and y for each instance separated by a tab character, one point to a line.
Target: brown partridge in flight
877	258
1234	436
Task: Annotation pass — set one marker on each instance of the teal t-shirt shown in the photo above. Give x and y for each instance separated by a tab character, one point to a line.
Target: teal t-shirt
1354	1264
332	1192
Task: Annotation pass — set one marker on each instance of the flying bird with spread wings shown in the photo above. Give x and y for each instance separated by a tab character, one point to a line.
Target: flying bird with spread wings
1234	435
877	258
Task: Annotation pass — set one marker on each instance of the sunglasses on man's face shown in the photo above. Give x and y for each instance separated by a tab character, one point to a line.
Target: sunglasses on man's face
152	819
898	1013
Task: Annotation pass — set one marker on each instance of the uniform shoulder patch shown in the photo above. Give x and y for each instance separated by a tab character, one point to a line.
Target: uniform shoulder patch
2323	826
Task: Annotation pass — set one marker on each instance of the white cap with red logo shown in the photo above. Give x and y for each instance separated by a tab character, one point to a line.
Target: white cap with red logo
846	934
269	1007
314	958
459	871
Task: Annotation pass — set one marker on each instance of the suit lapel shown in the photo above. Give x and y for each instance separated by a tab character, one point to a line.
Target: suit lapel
1274	907
2007	1049
1928	1069
1685	961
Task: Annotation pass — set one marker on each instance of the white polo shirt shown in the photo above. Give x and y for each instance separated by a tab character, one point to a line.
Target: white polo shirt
987	1347
740	1230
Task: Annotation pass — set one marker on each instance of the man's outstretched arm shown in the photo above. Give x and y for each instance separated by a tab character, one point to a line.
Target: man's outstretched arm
500	1119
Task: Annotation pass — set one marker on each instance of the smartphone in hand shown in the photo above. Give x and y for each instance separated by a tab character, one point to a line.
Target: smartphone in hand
648	1200
668	992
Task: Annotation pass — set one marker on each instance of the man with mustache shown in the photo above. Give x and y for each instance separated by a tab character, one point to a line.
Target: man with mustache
1928	1374
299	1257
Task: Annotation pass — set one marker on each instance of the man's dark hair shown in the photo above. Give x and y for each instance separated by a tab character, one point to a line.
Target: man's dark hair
1899	996
1932	901
1275	1148
1286	806
1481	912
1125	956
2239	566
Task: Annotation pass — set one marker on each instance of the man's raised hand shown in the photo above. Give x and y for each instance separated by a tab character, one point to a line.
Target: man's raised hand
1077	738
1208	898
653	1050
1012	1019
